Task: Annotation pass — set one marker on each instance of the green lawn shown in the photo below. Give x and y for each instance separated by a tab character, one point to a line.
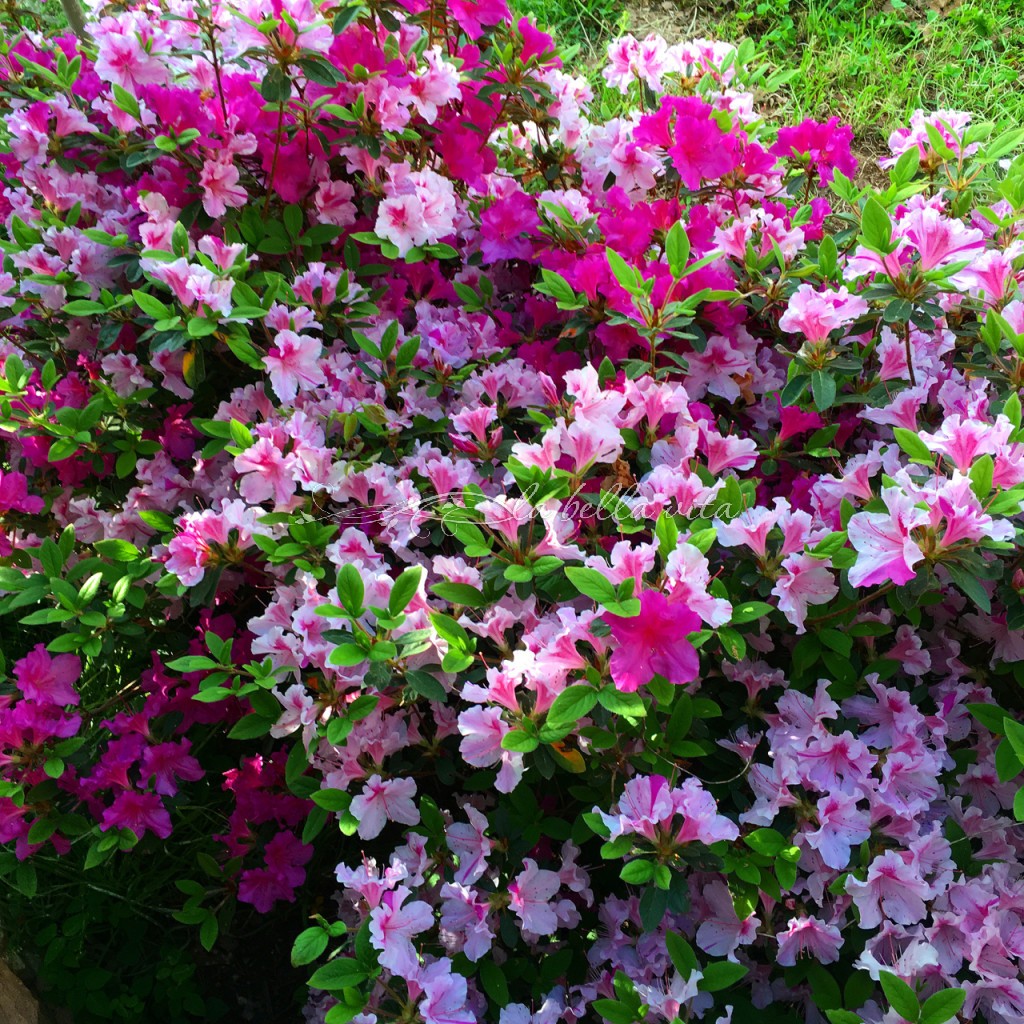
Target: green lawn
872	63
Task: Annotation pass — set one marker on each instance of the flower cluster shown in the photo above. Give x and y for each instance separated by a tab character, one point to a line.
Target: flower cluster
552	543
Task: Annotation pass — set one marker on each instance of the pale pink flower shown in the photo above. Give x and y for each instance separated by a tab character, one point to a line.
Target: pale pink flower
298	712
840	826
392	928
219	181
809	936
886	551
805	581
444	995
333	201
816	314
294	364
532	889
384	800
893	889
721	931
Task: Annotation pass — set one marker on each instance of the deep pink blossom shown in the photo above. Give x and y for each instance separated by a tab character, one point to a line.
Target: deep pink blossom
654	643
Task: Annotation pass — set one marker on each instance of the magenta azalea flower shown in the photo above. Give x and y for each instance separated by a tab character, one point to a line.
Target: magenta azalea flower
654	643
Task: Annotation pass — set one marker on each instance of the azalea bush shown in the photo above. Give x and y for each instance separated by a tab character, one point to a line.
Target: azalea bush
481	543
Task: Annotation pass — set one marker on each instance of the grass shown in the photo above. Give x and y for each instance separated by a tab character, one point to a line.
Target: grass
871	62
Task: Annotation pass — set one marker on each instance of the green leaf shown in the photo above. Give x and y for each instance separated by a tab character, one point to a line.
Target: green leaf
125	101
309	945
622	272
62	449
1008	764
592	584
981	477
350	589
943	1006
117	550
240	434
331	799
347	655
84	307
912	444
969	583
208	932
276	86
338	974
843	1017
520	740
492	977
250	727
766	841
720	975
571	705
681	953
1015	735
677	249
748	611
461	594
901	996
827	257
425	685
404	590
823	387
990	715
192	663
150	305
876	228
619	703
637	872
613	1011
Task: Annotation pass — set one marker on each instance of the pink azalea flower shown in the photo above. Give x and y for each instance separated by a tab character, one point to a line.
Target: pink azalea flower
809	936
392	928
14	494
166	762
444	995
701	821
816	314
826	146
831	762
219	181
294	364
751	527
268	473
940	239
483	730
805	581
885	549
384	800
531	890
123	56
140	812
298	711
400	220
963	440
48	679
645	803
721	932
467	840
893	889
840	827
654	643
466	917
